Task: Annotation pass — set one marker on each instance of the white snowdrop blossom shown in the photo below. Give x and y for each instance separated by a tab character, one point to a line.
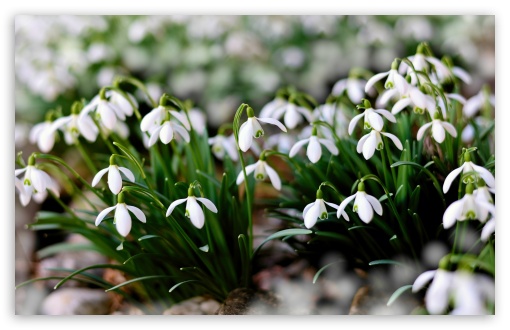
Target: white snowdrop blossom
114	177
252	129
292	114
438	129
393	81
372	118
314	149
44	135
198	120
470	167
221	145
483	196
121	102
34	184
333	115
373	141
193	210
355	89
282	141
467	208
159	124
488	229
469	293
412	97
477	102
261	171
74	126
364	205
108	111
166	133
270	108
122	219
422	63
317	210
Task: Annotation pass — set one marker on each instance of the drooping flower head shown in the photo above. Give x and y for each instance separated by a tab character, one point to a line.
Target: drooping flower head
43	133
252	129
439	128
314	150
261	171
364	205
193	211
393	81
34	184
121	219
373	141
471	172
76	125
317	210
372	117
114	177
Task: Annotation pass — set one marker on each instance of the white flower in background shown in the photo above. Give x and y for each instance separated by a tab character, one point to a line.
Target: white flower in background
166	132
262	171
470	167
422	63
477	102
292	114
156	116
74	126
198	120
252	129
488	229
373	141
114	177
355	89
221	145
122	219
467	208
274	105
317	210
282	141
121	129
449	97
364	205
34	183
314	150
469	293
121	102
333	115
438	129
193	210
483	196
413	97
108	111
372	118
44	135
393	80
468	133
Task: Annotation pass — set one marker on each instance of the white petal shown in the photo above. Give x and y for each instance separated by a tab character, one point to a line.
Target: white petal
339	87
423	279
488	229
386	114
122	220
438	131
369	146
450	128
437	296
292	118
306	113
196	214
374	120
208	204
98	176
365	211
166	134
88	128
461	74
422	130
452	213
58	123
295	148
332	205
376	205
182	118
395	140
154	135
457	97
361	142
19	171
354	121
38	179
273	122
314	151
342	206
401	85
473	105
127	172
385	97
117	110
152	118
307	208
231	149
114	179
375	79
35	132
246	136
450	177
354	91
46	140
401	104
174	204
108	118
312	215
486	175
103	213
330	146
273	176
137	212
182	132
249	169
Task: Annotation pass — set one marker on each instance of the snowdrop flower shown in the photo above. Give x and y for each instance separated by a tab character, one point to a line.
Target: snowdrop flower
154	119
393	80
282	142
114	177
34	183
488	229
438	129
364	205
292	114
373	140
193	210
44	135
317	210
468	207
468	133
421	63
477	102
333	115
470	167
314	150
355	89
468	292
107	112
121	219
221	145
252	129
372	118
75	125
270	108
415	98
165	133
483	196
121	102
262	171
198	120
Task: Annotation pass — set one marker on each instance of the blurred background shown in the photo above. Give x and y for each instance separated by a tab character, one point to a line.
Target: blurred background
218	62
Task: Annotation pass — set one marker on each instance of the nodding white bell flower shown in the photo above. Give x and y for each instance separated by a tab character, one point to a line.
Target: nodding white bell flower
122	219
475	170
449	97
355	89
421	63
165	133
193	210
270	108
438	129
221	145
488	229
373	141
34	183
393	81
198	120
468	293
483	196
467	208
314	150
364	205
106	111
333	115
292	114
158	115
121	129
317	210
121	102
261	171
252	129
372	118
474	104
44	135
415	98
282	142
75	125
114	176
468	133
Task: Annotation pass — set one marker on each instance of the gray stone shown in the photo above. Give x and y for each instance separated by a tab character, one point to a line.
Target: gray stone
194	306
77	301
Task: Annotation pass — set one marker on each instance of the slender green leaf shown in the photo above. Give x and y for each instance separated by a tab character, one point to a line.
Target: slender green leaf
398	293
138	279
283	233
180	283
385	262
319	272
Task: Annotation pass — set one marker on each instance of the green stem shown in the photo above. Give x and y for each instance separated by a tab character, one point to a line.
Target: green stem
86	158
